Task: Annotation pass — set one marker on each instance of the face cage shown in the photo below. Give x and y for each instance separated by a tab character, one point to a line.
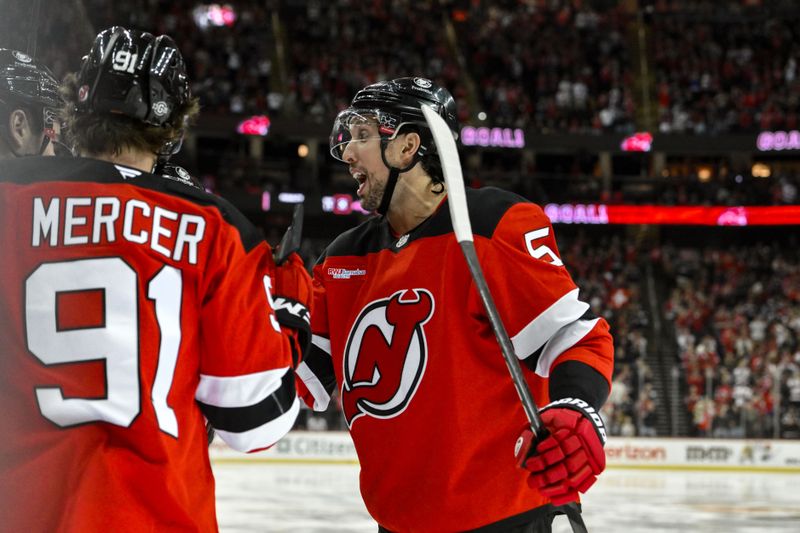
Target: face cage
386	125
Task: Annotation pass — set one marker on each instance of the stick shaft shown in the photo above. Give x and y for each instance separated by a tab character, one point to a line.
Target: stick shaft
468	248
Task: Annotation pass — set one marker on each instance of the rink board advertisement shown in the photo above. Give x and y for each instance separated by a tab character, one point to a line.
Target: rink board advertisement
333	447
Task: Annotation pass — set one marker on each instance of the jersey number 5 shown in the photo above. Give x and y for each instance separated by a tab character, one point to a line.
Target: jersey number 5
541	250
115	341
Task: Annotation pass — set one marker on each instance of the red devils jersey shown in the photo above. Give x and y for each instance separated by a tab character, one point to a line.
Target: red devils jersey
431	408
131	308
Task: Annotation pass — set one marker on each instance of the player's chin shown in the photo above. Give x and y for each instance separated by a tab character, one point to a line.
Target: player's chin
369	202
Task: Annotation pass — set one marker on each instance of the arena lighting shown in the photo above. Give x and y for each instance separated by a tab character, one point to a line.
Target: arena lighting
218	15
342	204
773	141
638	142
760	170
668	215
255	125
291	197
500	137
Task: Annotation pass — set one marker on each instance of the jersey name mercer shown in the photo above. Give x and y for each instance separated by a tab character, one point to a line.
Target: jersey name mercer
385	355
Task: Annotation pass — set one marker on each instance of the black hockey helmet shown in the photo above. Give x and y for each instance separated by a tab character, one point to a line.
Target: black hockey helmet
136	74
25	82
391	105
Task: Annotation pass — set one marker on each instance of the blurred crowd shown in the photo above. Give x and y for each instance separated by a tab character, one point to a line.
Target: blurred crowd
733	69
556	65
608	270
736	312
550	66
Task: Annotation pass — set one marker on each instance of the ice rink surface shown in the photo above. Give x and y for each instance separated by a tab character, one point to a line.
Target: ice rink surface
270	497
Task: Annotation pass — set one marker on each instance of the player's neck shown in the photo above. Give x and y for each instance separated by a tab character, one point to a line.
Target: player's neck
130	157
413	201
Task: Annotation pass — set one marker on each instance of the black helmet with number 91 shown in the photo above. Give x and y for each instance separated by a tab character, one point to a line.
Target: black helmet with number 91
136	74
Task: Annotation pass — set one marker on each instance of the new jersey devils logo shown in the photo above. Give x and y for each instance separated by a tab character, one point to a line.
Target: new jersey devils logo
385	355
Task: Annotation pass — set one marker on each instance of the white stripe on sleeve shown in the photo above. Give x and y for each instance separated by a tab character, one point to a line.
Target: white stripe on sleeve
238	391
565	339
533	336
264	435
315	387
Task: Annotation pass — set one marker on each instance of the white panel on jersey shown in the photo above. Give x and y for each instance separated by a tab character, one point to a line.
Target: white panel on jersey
322	343
239	391
564	311
565	339
315	387
262	436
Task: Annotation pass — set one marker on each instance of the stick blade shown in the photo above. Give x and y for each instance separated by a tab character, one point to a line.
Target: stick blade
453	177
291	239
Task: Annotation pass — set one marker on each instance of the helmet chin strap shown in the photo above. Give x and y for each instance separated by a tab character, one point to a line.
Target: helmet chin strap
391	182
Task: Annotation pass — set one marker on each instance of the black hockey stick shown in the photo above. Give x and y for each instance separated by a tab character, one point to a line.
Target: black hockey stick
291	239
457	200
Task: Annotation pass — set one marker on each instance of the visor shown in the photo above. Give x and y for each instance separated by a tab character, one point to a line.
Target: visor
361	125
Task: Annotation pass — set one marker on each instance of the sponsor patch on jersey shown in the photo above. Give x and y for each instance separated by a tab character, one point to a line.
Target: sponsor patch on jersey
346	273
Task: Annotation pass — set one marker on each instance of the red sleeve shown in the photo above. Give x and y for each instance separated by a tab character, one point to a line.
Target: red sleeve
537	298
246	388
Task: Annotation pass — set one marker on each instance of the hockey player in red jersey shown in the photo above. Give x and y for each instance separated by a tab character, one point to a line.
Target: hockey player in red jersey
29	101
401	331
133	308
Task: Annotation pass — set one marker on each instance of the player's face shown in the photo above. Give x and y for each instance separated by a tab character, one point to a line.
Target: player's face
363	155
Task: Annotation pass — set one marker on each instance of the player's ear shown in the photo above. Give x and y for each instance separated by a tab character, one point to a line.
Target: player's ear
411	142
18	128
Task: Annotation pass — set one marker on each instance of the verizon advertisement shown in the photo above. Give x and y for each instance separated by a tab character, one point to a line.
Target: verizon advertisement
690	216
704	454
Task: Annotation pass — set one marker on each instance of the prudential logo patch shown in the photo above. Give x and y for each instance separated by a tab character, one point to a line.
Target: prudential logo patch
346	273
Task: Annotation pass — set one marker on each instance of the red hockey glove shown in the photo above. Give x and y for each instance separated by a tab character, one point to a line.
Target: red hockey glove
292	292
570	456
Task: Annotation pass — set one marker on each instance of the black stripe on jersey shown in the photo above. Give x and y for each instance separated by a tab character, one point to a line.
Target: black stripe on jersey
574	379
321	365
486	208
241	419
34	169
